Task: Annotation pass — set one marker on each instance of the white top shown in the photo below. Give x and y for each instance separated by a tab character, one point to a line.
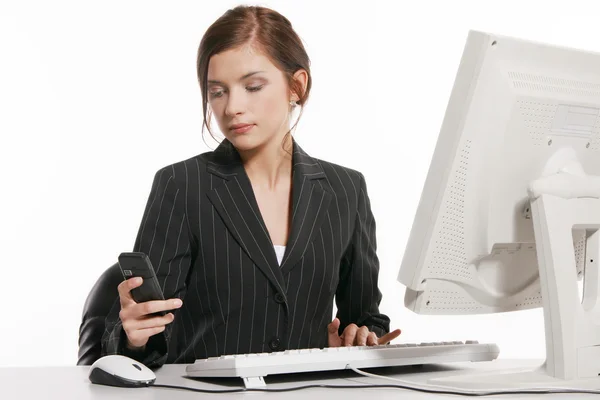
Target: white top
279	250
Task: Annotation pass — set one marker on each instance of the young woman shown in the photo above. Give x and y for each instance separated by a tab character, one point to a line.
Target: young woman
252	242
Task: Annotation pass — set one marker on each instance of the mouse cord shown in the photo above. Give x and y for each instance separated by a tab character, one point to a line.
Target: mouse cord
472	392
404	385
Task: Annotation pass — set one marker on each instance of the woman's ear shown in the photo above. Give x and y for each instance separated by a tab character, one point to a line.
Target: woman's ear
300	76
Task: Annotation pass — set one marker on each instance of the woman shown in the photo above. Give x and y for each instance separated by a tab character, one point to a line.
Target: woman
251	242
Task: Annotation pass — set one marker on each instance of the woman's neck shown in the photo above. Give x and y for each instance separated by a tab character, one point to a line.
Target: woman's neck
269	165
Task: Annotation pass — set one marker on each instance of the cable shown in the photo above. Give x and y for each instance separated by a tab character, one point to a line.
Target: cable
405	385
472	392
427	388
290	389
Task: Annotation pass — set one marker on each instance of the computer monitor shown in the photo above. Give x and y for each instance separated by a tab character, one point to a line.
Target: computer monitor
512	195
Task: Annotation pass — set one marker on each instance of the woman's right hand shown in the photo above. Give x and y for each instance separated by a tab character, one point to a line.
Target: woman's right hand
135	318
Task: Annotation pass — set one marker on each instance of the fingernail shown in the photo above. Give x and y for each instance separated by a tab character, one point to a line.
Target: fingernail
177	303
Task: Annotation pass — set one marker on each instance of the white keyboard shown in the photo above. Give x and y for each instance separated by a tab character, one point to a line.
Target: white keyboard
253	367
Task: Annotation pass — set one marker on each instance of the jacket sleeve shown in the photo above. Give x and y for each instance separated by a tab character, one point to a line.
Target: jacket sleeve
164	236
358	295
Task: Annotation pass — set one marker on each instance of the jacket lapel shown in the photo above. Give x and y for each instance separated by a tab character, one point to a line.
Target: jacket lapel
309	206
235	202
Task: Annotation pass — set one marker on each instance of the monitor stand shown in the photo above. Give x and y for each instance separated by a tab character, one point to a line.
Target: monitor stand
560	202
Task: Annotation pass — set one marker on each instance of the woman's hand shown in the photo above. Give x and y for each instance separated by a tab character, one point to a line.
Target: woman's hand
355	336
137	322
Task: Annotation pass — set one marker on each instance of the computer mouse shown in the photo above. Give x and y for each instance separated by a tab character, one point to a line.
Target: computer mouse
117	370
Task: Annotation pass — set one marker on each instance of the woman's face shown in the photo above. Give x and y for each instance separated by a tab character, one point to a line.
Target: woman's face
244	87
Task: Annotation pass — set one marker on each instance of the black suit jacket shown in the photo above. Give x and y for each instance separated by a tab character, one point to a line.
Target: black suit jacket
205	236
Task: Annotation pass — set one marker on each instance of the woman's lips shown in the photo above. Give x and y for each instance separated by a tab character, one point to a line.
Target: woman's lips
242	129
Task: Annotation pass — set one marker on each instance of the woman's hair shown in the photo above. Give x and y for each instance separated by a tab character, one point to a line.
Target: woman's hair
266	31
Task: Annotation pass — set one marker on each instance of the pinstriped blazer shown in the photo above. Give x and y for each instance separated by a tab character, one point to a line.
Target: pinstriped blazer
205	236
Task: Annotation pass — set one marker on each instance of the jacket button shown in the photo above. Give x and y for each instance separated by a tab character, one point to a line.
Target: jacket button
274	344
279	298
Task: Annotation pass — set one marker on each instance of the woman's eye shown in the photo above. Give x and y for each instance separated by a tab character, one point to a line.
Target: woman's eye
219	93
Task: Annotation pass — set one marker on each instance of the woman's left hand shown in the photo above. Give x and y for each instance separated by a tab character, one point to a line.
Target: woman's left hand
355	336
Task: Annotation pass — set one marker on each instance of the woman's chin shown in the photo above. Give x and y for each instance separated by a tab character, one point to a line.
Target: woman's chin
243	142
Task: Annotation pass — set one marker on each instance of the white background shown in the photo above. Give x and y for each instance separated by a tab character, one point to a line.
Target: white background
97	96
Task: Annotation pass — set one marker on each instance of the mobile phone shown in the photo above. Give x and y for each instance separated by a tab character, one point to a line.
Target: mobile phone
137	264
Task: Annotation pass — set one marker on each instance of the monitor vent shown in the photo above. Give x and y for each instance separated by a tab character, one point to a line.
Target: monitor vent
531	301
523	80
595	142
537	118
449	255
579	243
450	300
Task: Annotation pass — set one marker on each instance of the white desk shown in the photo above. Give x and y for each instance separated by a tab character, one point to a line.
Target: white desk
72	383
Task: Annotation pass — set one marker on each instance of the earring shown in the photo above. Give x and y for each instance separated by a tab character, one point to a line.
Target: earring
293	103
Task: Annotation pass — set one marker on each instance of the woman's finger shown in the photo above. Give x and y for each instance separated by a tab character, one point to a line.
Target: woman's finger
388	337
349	334
361	336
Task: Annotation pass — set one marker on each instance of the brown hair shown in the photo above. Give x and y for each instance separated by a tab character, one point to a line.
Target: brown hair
267	31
